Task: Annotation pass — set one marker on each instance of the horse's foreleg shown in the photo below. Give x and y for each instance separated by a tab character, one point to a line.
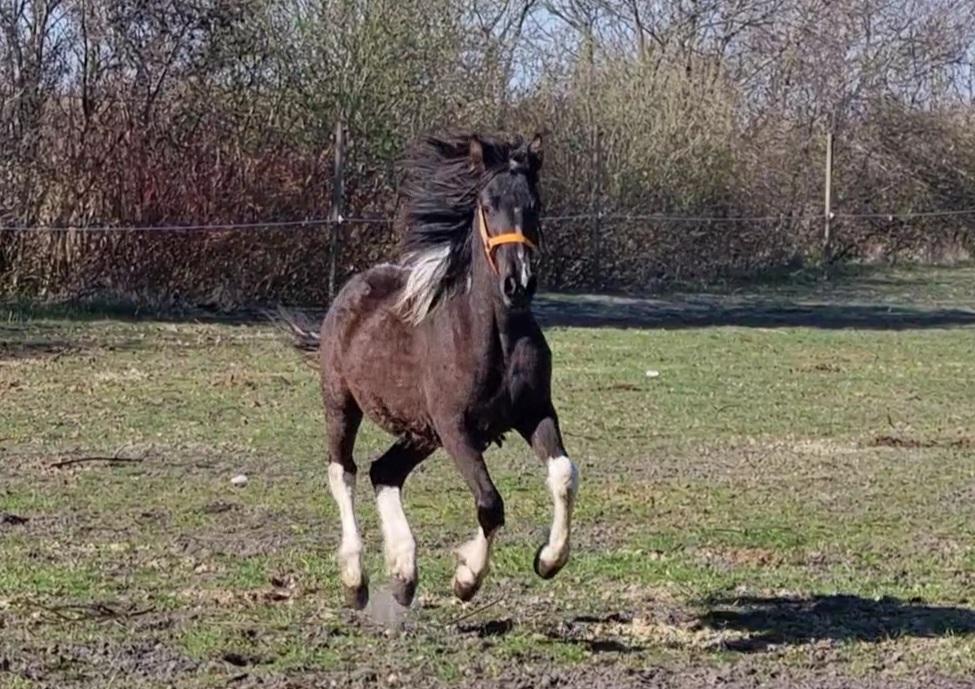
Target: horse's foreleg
473	557
343	424
388	474
563	482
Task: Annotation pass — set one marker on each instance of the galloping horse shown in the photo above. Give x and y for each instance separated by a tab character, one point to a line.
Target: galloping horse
442	350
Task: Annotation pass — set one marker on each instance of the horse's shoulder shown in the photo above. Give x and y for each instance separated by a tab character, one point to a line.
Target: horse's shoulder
531	336
530	356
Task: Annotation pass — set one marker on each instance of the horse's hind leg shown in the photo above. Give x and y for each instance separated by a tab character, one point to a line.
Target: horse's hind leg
342	422
388	473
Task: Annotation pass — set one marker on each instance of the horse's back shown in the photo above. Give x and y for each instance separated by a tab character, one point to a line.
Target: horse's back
365	294
379	284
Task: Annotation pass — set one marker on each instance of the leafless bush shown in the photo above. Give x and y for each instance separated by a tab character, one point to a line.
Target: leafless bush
212	112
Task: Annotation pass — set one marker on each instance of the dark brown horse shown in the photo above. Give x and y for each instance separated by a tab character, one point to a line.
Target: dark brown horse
442	350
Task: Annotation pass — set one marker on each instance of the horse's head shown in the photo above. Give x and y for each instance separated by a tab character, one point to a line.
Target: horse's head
507	216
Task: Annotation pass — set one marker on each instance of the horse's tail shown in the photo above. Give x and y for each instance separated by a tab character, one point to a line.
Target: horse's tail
303	333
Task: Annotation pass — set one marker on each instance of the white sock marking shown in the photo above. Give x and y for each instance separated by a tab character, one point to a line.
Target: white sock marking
342	485
398	540
563	482
474	557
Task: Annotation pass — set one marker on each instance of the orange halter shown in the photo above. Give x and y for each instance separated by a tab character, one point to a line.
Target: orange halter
491	243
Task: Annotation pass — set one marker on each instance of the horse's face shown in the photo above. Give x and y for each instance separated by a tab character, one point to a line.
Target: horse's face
511	209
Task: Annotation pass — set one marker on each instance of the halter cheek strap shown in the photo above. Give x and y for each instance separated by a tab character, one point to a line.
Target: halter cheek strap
491	243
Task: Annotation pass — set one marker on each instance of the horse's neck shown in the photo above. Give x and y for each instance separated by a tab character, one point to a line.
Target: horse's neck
488	323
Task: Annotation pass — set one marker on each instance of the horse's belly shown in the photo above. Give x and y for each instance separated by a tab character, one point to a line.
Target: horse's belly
386	389
397	414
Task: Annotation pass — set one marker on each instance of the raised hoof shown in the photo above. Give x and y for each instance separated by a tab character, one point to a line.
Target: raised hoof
356	597
466	591
543	570
403	591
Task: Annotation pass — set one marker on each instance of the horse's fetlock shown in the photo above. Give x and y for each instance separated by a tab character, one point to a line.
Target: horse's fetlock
490	513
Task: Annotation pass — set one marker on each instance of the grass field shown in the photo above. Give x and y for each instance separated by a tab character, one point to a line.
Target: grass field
790	502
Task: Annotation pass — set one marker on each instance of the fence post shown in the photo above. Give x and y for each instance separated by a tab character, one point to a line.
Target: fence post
335	217
828	203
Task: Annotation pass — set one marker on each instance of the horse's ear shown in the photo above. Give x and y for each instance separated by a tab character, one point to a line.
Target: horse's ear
535	153
477	154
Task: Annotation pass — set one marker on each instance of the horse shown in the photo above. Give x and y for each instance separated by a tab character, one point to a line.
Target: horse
441	350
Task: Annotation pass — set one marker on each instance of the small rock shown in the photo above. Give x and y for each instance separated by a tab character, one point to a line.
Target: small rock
239	480
392	679
651	373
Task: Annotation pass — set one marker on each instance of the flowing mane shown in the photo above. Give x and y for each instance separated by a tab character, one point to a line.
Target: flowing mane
441	189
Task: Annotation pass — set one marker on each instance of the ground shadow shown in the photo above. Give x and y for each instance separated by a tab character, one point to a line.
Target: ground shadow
34	349
51	347
785	620
28	313
605	311
861	298
704	311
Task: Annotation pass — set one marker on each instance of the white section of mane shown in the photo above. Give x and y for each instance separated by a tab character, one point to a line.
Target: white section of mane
427	271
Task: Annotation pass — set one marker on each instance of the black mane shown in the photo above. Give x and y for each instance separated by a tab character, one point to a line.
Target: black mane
441	188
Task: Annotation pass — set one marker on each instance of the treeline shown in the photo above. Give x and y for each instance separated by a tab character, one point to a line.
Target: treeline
169	112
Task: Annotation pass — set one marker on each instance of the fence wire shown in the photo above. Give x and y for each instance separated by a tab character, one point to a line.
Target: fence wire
603	217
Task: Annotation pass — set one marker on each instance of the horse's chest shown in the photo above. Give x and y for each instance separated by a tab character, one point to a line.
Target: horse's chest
496	408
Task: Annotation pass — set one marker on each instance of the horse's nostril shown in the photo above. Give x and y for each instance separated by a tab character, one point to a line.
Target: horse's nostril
510	286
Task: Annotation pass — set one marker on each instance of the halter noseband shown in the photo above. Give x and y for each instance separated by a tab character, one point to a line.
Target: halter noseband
491	243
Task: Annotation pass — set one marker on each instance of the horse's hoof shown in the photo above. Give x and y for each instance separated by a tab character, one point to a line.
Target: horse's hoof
356	597
546	571
403	590
465	592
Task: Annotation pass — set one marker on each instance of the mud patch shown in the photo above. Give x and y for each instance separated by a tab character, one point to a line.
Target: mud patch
138	662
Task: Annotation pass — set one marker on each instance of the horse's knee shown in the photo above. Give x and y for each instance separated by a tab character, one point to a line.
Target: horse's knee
379	474
490	512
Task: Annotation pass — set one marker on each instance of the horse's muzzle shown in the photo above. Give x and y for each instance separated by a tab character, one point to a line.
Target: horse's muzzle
516	295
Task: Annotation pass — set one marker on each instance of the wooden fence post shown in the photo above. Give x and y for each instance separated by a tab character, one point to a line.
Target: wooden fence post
828	205
335	216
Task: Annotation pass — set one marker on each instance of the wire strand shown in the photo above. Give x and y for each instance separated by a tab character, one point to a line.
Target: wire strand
272	225
609	217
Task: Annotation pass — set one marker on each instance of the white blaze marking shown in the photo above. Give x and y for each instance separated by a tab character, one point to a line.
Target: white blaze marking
398	540
474	558
524	266
563	482
342	485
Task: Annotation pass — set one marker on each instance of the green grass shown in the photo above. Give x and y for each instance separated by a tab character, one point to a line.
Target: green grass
764	470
